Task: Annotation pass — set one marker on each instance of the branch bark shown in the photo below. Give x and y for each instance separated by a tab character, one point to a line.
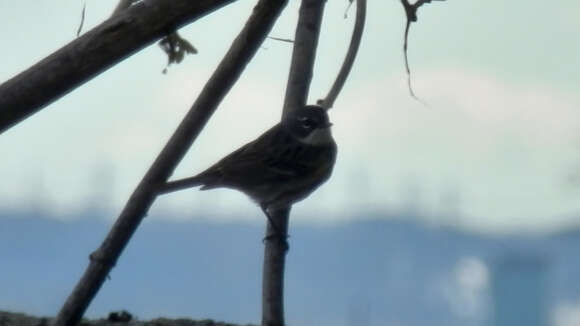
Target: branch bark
273	269
104	258
303	55
122	5
299	78
95	51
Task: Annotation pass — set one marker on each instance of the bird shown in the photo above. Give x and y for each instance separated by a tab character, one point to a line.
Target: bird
282	166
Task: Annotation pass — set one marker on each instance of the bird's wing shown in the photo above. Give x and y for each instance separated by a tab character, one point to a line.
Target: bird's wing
253	163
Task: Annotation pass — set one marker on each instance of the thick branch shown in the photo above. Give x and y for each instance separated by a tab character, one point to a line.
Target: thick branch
122	5
303	55
359	25
242	50
273	269
94	52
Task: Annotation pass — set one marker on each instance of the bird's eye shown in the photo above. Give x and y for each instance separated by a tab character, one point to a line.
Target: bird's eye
308	123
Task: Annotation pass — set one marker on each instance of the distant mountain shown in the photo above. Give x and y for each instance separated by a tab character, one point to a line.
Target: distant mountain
373	272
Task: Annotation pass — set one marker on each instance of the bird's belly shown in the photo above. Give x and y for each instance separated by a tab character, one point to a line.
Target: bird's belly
281	195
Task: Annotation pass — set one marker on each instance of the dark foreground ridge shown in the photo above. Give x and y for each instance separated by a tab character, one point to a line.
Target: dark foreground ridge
120	318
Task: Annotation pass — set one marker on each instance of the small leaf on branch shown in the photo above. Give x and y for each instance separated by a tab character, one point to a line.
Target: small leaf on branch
176	48
287	40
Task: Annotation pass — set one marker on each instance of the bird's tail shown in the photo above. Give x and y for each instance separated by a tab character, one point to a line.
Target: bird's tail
172	186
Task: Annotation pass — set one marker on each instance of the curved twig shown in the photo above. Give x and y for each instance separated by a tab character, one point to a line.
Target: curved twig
82	19
359	24
411	13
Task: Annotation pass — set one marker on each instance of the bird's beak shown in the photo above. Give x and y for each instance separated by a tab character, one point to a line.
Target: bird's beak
328	125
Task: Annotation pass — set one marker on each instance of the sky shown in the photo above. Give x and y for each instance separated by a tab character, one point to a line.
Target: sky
497	148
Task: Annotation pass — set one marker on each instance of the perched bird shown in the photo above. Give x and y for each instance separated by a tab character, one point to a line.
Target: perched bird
282	166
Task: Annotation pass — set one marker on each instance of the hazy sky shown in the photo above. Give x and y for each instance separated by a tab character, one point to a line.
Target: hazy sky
498	145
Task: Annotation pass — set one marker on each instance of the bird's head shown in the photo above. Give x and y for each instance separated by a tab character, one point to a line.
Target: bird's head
309	125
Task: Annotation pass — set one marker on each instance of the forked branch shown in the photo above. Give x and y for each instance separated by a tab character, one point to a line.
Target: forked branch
94	52
229	70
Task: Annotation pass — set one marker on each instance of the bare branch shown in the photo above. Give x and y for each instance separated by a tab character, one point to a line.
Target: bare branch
273	269
229	70
82	19
94	52
348	8
287	40
411	13
299	77
122	5
359	24
303	55
408	70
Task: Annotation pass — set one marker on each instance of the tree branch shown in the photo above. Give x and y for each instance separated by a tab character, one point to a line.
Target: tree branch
275	249
299	77
303	55
94	52
174	46
122	5
359	25
411	13
229	70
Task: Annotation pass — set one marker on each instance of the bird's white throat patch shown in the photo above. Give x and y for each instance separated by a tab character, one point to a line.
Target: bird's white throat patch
320	136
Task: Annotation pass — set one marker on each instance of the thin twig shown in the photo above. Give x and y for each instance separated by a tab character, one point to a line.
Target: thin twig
411	92
82	19
287	40
359	24
411	14
347	8
229	70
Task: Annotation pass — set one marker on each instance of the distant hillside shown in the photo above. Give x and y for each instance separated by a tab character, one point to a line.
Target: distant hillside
369	272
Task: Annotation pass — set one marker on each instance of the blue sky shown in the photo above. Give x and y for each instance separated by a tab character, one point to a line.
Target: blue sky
498	145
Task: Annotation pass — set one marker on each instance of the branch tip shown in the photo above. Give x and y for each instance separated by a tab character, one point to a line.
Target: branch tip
82	19
411	14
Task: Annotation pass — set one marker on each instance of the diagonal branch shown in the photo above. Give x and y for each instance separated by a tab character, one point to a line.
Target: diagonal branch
359	25
94	52
229	70
122	5
174	46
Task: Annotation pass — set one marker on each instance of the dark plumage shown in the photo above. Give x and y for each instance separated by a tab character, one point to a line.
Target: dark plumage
282	166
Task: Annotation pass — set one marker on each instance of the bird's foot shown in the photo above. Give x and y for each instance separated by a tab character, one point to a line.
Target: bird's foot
280	238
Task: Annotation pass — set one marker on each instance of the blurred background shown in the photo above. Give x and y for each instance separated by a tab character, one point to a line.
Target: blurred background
462	212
